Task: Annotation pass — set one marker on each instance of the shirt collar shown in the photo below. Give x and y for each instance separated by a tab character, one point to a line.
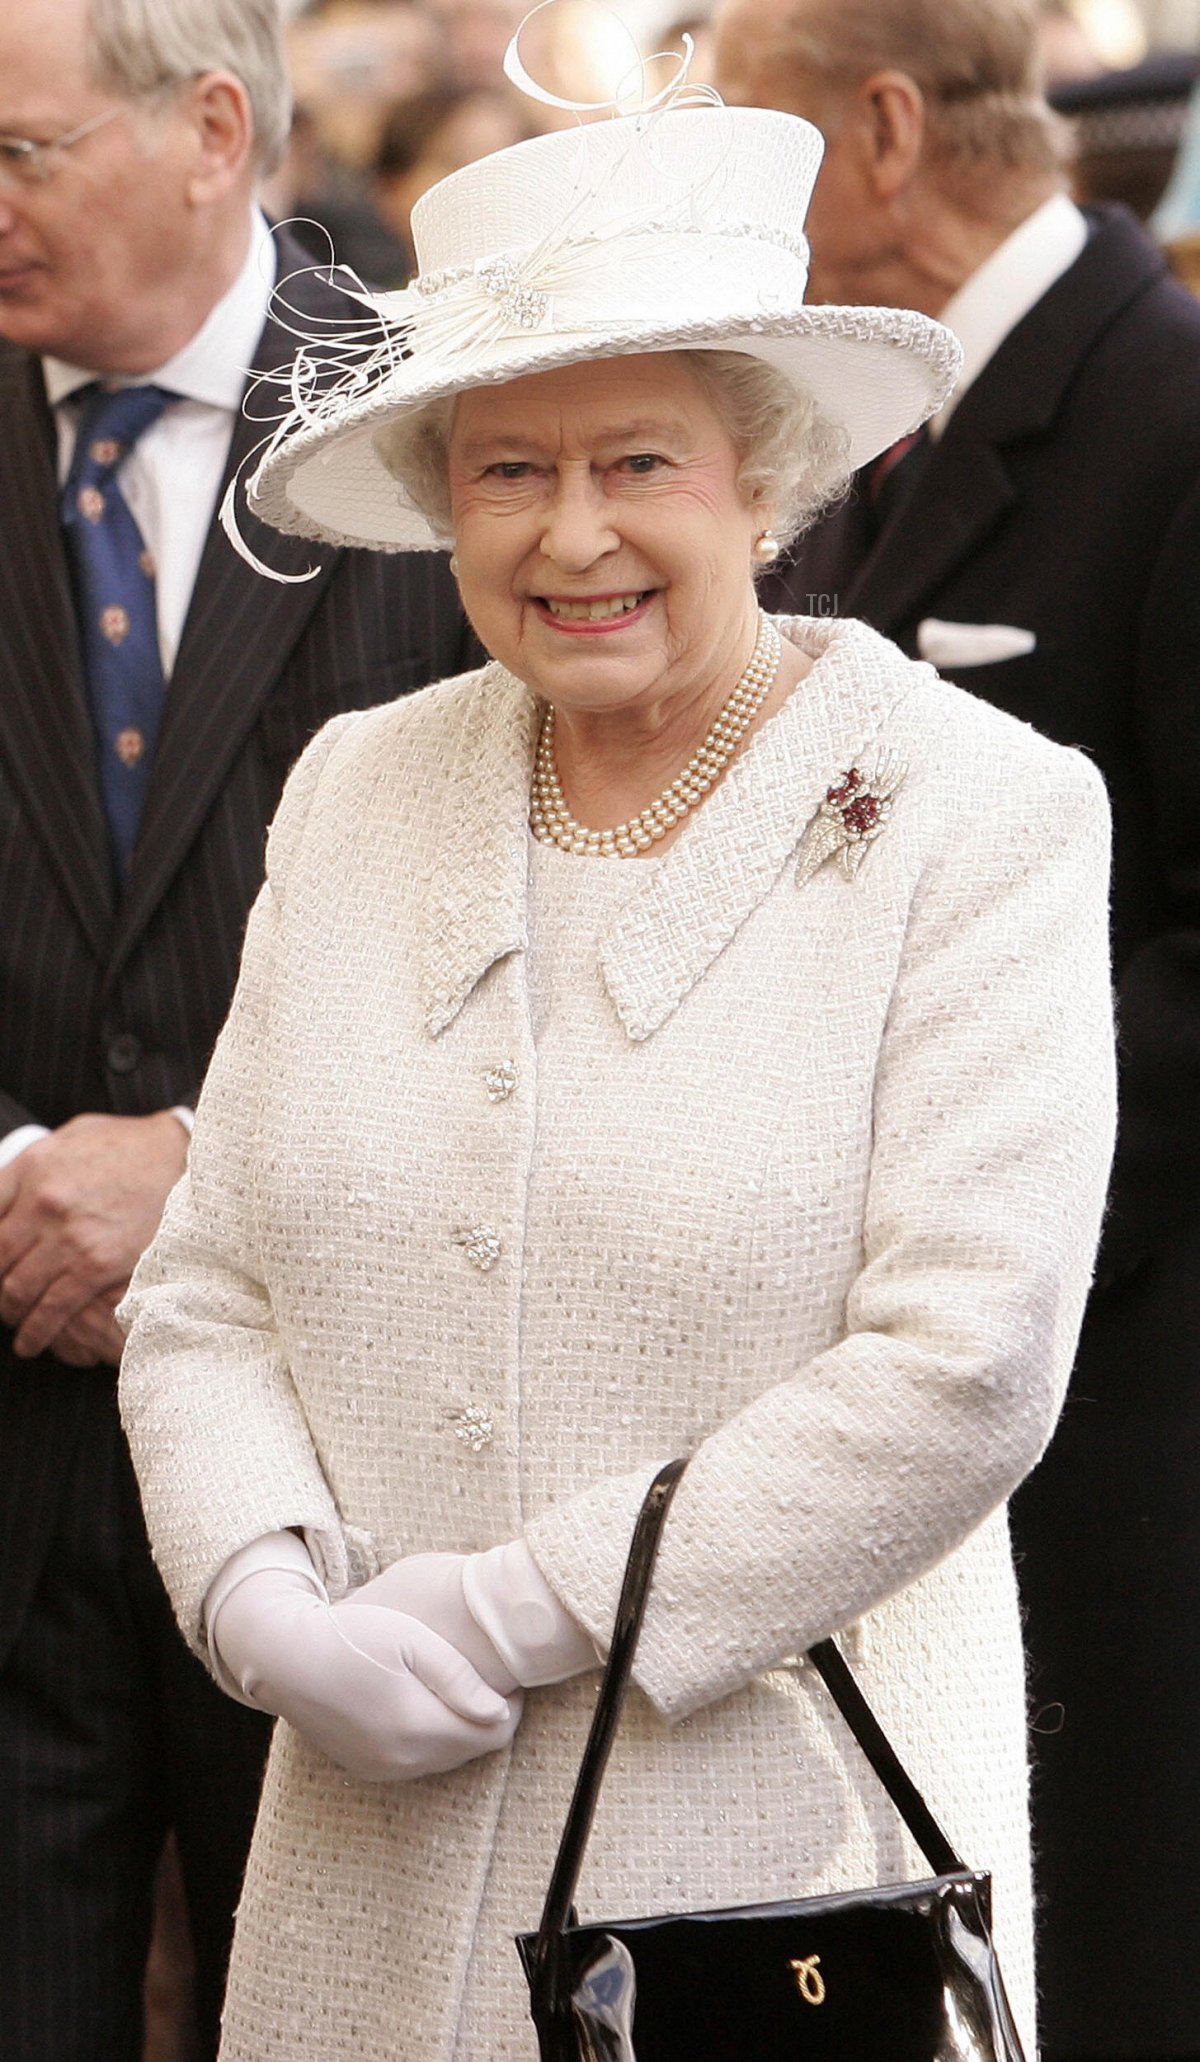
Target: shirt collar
1006	286
212	366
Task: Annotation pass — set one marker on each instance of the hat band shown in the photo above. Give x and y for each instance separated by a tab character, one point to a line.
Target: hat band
659	278
740	231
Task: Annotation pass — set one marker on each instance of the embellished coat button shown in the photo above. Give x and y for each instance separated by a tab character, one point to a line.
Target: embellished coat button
473	1425
500	1082
481	1245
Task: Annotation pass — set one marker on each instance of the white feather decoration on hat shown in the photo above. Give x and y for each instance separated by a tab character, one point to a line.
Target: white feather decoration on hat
464	314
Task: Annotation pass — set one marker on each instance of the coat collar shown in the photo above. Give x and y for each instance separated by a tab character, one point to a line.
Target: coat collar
1038	360
720	869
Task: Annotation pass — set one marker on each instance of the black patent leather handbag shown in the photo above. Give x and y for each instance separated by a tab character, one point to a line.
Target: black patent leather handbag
903	1973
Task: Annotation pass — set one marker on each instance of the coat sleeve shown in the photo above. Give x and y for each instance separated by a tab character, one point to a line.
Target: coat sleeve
198	1315
993	1121
1156	1176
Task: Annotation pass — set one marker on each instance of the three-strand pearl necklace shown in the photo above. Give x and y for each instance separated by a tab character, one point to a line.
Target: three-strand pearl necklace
552	822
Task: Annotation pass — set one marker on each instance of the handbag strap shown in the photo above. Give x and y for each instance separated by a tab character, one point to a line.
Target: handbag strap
830	1664
557	1913
631	1607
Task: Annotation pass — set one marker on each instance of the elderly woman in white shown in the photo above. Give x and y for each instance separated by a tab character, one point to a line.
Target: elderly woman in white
766	1121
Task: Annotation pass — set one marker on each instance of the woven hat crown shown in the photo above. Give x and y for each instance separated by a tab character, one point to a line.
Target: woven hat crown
731	175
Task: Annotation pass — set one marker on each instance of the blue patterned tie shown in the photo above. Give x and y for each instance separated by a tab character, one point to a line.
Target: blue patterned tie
114	593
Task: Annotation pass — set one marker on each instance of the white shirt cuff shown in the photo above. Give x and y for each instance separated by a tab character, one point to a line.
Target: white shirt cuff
14	1142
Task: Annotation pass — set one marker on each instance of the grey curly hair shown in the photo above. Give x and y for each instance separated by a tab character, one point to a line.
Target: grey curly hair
793	458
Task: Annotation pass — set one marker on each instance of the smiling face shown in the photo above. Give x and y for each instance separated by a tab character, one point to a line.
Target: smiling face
603	543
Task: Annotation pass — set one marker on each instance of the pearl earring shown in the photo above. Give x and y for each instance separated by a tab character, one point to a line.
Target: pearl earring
454	564
766	549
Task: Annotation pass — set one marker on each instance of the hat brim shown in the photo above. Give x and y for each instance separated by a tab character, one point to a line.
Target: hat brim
877	372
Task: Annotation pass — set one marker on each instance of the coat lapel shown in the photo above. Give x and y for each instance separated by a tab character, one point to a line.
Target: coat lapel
476	903
45	730
731	855
970	484
240	631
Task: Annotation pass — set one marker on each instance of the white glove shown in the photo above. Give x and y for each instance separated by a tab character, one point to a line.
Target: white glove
381	1694
497	1608
430	1587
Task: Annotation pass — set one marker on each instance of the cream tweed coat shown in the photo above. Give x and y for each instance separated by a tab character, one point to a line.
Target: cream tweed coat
807	1185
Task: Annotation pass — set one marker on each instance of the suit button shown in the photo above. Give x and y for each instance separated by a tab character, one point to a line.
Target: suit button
124	1052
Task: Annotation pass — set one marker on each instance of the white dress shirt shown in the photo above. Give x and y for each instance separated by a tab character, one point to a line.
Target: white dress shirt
173	475
1005	287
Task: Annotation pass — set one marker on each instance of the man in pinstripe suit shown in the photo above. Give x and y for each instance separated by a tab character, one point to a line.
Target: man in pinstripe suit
131	251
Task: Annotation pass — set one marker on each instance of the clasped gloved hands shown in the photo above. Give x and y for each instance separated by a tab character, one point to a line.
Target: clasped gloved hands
382	1694
417	1672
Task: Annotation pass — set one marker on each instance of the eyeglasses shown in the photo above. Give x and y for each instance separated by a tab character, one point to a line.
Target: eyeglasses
26	163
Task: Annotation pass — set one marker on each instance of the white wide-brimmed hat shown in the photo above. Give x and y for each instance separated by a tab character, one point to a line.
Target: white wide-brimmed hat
677	229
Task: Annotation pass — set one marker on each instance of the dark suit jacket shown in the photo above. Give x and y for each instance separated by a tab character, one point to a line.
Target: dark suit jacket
1064	498
115	1005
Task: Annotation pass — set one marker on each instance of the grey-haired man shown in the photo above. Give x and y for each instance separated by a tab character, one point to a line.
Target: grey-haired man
132	253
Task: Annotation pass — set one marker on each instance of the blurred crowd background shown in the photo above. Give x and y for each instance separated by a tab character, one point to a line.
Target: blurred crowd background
393	94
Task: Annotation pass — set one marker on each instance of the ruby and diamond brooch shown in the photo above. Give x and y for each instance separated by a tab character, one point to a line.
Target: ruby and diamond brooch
852	815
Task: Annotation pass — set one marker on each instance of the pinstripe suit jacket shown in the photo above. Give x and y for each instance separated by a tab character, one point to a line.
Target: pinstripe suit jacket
115	1005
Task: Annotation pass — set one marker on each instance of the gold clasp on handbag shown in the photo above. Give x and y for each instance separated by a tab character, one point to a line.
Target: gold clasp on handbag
809	1981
